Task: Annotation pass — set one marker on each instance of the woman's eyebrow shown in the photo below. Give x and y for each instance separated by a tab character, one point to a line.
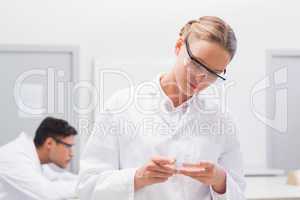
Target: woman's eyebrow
201	61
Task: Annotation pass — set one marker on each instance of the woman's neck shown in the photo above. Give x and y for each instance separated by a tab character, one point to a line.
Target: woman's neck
169	85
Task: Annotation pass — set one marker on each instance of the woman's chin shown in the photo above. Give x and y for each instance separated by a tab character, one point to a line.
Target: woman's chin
190	91
199	88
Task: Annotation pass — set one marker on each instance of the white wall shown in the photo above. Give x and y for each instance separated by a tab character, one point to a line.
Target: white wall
146	31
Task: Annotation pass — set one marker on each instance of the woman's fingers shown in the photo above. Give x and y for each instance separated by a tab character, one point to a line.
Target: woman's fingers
154	174
159	160
163	164
162	169
202	164
202	169
194	170
194	173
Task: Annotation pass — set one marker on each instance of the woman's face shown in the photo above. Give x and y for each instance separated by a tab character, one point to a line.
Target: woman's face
192	78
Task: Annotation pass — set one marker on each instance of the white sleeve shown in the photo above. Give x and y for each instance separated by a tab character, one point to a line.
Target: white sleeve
36	186
54	173
100	173
231	162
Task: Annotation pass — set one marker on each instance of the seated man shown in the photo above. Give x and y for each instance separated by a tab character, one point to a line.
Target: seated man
21	173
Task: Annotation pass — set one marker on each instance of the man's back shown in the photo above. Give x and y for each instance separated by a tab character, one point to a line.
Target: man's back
22	177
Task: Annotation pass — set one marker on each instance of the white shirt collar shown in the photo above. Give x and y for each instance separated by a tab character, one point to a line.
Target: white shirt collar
168	104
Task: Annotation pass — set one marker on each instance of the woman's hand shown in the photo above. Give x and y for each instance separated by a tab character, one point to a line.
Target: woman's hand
157	170
207	173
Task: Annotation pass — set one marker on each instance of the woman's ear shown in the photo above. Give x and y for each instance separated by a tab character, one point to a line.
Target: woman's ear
179	45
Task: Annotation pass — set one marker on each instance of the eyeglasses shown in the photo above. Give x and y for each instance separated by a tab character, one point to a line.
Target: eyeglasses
69	146
202	66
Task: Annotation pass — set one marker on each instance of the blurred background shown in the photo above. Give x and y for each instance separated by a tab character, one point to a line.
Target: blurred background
71	41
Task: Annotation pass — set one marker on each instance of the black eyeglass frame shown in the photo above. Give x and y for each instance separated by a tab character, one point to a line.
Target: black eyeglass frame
200	64
62	142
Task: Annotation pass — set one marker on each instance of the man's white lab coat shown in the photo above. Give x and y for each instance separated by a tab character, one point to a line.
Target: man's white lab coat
22	177
147	126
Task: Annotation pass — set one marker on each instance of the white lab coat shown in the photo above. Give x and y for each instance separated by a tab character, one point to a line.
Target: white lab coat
124	141
23	177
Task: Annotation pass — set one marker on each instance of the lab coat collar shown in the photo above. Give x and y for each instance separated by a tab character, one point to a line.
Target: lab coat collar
25	143
188	109
167	102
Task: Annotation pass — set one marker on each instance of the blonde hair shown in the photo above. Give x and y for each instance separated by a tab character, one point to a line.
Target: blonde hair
211	29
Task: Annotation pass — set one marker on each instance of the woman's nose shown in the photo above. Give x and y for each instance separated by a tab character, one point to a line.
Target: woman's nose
200	77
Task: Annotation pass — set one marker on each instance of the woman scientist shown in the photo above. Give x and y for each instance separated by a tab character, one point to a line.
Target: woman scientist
172	142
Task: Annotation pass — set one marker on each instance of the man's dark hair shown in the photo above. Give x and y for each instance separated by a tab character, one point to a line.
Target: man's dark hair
52	127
